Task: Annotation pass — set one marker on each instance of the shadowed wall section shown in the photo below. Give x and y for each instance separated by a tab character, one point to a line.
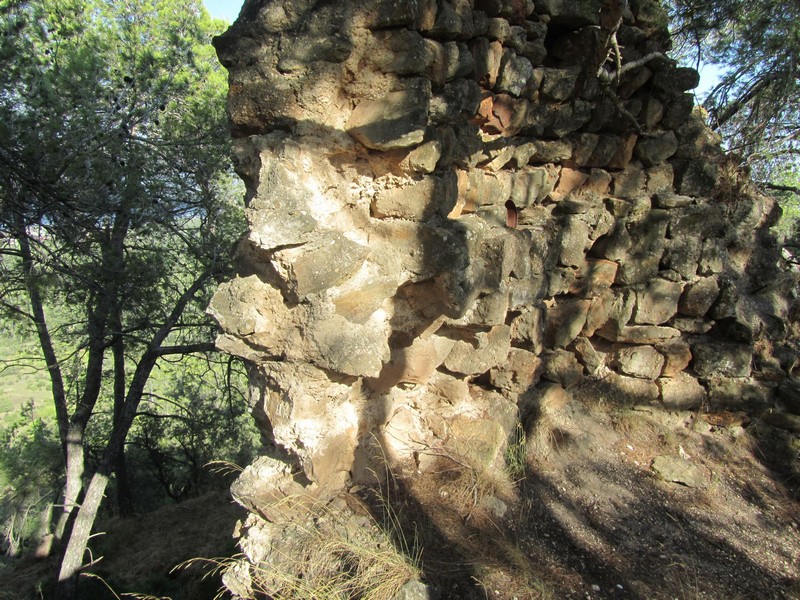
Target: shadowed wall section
456	207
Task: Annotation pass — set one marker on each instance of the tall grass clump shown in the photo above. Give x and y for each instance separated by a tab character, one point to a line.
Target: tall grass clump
331	552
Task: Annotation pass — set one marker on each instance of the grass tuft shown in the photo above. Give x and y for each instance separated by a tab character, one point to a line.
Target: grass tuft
328	553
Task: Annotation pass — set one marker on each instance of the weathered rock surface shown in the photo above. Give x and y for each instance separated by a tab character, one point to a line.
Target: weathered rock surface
451	222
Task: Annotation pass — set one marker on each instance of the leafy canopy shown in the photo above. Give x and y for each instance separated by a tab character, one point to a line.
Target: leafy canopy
757	44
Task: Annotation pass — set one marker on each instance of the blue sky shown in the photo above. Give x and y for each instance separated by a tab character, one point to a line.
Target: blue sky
224	9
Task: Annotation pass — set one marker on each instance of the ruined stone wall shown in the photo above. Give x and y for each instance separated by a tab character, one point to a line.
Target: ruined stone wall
457	206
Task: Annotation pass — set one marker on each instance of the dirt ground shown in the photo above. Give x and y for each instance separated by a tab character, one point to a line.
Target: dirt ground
592	520
588	518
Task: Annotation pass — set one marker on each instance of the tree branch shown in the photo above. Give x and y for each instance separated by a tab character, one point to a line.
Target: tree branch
780	188
186	349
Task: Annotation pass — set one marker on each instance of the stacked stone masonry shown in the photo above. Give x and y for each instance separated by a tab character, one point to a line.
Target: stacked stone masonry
454	205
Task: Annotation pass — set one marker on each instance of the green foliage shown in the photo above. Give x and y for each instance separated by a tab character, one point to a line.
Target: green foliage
118	209
757	44
198	414
31	476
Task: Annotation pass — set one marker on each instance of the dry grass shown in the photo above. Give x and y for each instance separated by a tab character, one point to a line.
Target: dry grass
327	553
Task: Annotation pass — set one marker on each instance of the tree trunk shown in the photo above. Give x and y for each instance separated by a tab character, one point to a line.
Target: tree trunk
74	473
72	560
43	332
124	496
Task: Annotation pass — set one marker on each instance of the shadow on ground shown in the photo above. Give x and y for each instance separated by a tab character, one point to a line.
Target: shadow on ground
592	520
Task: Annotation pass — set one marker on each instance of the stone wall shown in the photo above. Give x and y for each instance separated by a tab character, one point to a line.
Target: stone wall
455	206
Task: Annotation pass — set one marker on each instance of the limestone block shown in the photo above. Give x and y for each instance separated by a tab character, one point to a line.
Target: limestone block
531	185
514	73
560	280
579	204
600	310
422	250
415	364
698	297
423	158
722	359
535	51
585	145
487	310
657	302
307	269
652	112
654	150
677	470
607	147
487	58
528	328
504	8
480	351
296	400
599	182
677	355
414	590
683	255
280	214
618	307
359	302
629	183
648	240
527	292
265	482
678	109
417	14
499	29
692	326
659	180
739	394
624	153
681	392
636	267
550	151
419	201
677	79
559	120
334	343
595	277
564	321
397	120
694	177
253	313
573	242
467	147
782	420
519	374
558	84
789	394
633	81
639	361
406	52
569	181
457	97
458	61
479	443
593	361
448	25
633	389
666	199
713	257
638	334
561	366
